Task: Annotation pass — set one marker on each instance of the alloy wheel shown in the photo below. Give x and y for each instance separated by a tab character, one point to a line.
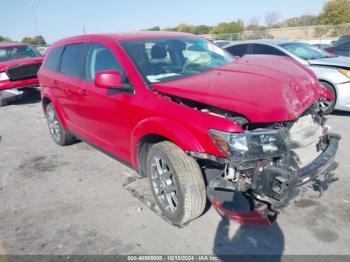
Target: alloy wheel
54	124
164	185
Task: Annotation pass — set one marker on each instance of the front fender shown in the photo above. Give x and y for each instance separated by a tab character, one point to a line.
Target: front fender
170	129
325	93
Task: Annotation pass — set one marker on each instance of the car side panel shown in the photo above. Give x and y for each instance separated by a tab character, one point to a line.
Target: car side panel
144	112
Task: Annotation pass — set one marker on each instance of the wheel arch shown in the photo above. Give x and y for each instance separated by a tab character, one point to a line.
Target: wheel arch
50	99
332	85
154	130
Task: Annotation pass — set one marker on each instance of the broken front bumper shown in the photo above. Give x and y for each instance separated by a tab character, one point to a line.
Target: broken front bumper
278	186
273	188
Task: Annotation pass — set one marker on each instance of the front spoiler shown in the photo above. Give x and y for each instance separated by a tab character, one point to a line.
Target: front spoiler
275	188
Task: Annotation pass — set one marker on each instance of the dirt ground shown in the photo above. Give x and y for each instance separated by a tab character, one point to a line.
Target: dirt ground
71	200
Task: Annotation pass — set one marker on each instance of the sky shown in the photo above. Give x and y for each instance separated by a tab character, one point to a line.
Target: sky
61	18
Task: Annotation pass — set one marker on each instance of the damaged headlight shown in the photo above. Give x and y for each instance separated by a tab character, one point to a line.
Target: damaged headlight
3	76
251	145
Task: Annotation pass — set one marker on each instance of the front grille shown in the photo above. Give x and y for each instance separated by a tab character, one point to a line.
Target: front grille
21	72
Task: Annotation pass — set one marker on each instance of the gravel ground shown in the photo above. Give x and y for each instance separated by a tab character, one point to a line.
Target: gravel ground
71	200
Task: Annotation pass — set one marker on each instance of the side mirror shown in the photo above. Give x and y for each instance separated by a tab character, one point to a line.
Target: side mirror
109	79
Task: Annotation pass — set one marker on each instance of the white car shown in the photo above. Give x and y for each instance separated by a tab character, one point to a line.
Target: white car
332	71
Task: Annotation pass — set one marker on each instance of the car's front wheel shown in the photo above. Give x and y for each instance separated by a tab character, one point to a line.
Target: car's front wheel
328	106
61	136
177	182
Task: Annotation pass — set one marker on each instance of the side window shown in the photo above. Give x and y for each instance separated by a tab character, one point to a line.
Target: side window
51	62
258	49
72	60
100	58
238	50
345	45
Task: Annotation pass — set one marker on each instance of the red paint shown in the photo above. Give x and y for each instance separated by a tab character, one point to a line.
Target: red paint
264	89
326	93
5	65
247	218
107	79
330	50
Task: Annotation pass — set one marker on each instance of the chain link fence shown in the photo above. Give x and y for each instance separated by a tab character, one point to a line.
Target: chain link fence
295	33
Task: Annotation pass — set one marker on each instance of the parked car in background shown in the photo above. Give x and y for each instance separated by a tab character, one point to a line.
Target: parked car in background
19	64
222	43
340	47
322	46
42	49
331	70
190	116
341	40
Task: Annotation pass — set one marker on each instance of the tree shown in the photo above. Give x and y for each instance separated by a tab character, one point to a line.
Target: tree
304	20
155	28
253	24
183	27
4	39
227	28
335	12
202	30
272	18
36	40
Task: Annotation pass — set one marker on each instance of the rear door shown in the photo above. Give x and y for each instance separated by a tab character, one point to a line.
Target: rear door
69	83
48	74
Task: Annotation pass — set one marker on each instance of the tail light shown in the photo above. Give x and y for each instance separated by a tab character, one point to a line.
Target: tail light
331	51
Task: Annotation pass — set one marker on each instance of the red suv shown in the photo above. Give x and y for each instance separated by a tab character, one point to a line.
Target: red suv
248	132
19	64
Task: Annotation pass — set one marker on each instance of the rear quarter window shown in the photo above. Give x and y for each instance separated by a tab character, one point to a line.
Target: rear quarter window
52	59
72	60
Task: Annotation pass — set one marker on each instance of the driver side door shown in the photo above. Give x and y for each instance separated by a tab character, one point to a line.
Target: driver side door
105	110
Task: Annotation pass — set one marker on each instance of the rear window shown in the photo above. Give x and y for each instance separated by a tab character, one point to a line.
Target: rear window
51	62
72	60
238	50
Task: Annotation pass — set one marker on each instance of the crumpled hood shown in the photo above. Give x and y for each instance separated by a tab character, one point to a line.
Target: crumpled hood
337	61
262	88
23	61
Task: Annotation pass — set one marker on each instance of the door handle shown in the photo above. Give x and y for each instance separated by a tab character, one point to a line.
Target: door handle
83	92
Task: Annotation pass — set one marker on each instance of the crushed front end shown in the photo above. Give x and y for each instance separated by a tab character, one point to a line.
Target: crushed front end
267	166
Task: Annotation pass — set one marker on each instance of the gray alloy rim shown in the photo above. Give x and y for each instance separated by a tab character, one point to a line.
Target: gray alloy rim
164	184
54	125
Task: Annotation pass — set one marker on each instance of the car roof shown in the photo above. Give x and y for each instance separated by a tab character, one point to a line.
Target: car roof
265	41
8	44
125	36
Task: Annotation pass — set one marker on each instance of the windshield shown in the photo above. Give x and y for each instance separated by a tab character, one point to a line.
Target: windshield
166	59
305	51
17	52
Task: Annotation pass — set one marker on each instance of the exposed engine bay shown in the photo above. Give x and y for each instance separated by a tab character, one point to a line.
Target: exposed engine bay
268	164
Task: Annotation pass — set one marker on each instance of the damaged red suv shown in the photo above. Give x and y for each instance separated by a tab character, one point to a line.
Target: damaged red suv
19	64
246	132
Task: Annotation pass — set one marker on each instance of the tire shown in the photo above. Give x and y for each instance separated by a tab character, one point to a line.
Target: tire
329	107
61	136
182	179
3	102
